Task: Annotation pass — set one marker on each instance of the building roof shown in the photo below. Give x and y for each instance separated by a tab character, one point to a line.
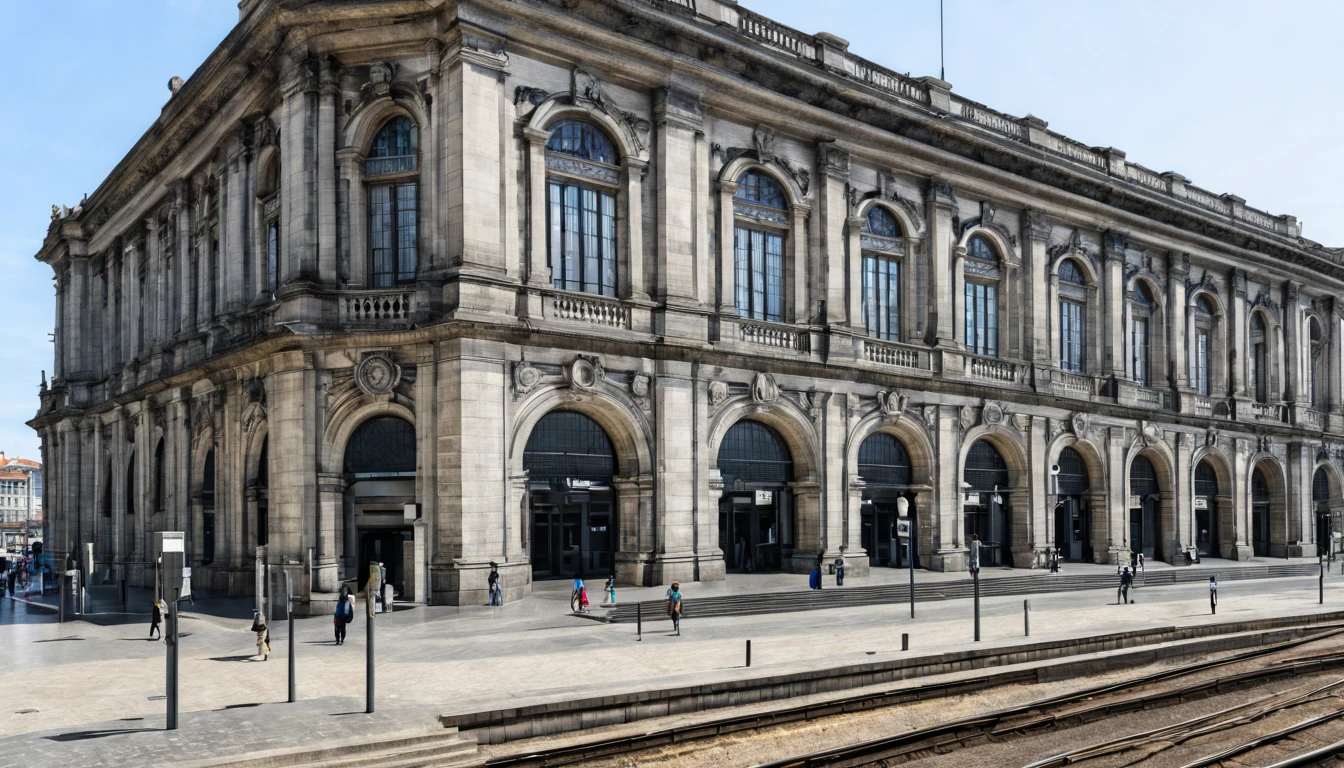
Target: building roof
18	462
12	475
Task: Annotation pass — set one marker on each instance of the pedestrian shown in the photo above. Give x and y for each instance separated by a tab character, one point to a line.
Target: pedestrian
1054	561
840	570
496	593
578	601
1213	594
674	607
814	578
263	634
1126	581
155	618
611	589
345	613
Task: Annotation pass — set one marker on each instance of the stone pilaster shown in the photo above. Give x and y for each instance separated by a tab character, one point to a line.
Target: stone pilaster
942	206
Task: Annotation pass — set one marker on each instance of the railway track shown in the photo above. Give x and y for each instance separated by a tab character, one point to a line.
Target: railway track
1164	688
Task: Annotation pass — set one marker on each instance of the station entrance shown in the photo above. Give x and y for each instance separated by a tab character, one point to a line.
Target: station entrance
884	468
570	462
756	509
985	511
1073	514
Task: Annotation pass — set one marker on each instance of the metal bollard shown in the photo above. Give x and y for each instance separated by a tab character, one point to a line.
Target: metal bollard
639	621
60	601
1026	618
748	653
905	641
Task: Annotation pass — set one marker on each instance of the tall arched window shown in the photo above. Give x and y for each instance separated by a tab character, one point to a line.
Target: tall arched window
881	274
1140	335
1072	311
1200	372
582	180
270	217
982	297
883	461
393	178
758	246
107	490
1259	362
1316	382
130	486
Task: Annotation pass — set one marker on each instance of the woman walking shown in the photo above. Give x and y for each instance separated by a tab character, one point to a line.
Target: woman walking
154	620
674	607
263	635
345	613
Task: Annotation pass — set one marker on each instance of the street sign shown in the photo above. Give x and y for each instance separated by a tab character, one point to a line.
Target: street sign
903	529
1201	502
764	498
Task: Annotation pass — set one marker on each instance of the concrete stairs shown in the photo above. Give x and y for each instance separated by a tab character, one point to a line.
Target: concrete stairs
850	597
439	749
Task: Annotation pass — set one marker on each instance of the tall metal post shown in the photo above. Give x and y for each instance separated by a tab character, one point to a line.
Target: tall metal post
371	603
906	534
975	577
910	555
171	615
289	611
1321	556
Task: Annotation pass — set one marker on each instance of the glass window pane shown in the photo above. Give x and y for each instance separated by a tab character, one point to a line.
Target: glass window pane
742	276
758	275
591	266
774	277
970	317
608	245
870	295
556	244
893	301
992	320
572	281
380	236
407	226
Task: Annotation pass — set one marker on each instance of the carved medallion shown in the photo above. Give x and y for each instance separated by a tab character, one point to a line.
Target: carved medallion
582	373
967	417
992	414
892	405
525	377
639	386
1081	422
377	375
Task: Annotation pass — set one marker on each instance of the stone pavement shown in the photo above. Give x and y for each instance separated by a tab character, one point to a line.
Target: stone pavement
84	677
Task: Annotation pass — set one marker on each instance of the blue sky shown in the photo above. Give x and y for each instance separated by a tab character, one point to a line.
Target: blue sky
1238	96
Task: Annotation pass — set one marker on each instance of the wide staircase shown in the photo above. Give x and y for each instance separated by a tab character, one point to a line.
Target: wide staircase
849	597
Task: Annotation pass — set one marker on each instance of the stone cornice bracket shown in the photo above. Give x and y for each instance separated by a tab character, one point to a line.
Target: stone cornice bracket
1239	281
1178	263
1114	244
941	194
298	68
328	75
1034	227
475	47
678	107
833	160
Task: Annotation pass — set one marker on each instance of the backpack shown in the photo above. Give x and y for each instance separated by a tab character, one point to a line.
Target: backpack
349	613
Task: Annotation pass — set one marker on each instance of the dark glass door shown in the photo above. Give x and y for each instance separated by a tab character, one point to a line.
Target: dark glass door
749	533
1206	529
1143	529
1073	535
1260	529
208	537
573	534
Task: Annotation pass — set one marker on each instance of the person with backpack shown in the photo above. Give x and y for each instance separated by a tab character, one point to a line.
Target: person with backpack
674	607
496	593
578	601
345	613
263	634
1126	581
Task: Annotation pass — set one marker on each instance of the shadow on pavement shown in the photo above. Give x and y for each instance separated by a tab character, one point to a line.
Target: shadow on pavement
82	735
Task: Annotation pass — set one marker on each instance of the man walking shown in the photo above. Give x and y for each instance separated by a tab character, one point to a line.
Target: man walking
1126	581
496	594
674	607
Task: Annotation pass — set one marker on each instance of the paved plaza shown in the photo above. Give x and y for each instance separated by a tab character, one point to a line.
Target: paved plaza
95	684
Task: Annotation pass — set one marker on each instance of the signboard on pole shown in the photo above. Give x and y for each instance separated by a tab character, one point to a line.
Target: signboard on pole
903	529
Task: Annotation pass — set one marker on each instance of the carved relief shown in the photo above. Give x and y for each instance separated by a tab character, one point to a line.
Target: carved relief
377	375
583	373
1211	437
1081	423
1023	422
763	389
525	377
967	417
718	392
892	405
992	414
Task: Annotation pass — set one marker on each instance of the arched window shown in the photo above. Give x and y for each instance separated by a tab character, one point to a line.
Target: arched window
1316	379
263	488
1140	336
1320	486
754	453
270	217
393	179
1142	477
881	274
985	468
982	297
568	444
1073	477
208	479
1072	311
1200	372
160	499
1259	362
381	447
883	461
582	181
1206	479
107	490
758	247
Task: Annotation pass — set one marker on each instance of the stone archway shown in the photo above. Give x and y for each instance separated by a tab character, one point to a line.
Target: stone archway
1021	550
872	501
1215	491
1150	521
1267	491
1089	513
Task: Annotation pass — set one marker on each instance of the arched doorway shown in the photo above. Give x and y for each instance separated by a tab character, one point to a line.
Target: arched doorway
1073	518
570	463
1260	516
262	492
1206	510
379	466
1320	501
985	512
1145	530
884	467
756	510
208	509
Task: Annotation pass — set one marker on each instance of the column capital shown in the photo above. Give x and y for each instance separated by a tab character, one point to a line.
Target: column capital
941	194
536	135
1035	228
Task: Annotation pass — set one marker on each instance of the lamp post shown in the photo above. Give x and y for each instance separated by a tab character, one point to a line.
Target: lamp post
904	532
975	576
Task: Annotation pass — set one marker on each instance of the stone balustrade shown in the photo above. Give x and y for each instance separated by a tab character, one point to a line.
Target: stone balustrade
375	306
896	355
585	308
776	336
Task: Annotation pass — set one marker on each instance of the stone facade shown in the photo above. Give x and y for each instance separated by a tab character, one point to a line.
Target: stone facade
345	217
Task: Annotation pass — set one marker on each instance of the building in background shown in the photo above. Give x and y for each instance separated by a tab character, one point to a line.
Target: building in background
664	289
20	503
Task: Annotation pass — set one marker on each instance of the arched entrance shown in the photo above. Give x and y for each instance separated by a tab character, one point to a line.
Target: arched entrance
884	467
259	493
1206	510
1073	518
985	513
756	509
1260	515
1145	530
379	466
1320	502
570	463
